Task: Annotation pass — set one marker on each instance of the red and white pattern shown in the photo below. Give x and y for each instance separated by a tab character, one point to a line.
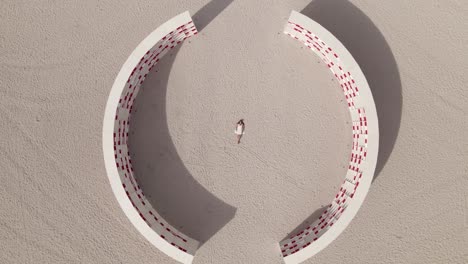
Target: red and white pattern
121	128
296	248
359	150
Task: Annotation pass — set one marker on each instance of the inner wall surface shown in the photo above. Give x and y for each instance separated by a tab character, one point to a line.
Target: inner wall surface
290	162
115	135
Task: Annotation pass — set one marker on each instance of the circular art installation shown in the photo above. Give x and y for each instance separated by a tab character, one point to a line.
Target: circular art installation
298	247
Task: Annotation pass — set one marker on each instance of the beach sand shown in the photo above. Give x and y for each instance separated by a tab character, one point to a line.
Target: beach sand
59	61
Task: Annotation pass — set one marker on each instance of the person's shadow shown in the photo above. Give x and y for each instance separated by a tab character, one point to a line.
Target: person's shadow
369	48
168	185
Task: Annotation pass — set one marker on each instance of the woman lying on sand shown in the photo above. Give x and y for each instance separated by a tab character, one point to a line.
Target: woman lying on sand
240	127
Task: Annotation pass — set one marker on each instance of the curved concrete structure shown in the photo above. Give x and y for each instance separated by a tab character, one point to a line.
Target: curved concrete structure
355	186
115	136
296	248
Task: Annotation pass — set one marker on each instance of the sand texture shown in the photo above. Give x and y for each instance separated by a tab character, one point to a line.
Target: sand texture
58	61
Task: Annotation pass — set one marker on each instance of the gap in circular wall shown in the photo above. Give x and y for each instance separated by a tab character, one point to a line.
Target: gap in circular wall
291	160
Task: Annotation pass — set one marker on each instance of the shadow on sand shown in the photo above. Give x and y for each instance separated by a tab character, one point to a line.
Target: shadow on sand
209	12
369	48
314	216
165	180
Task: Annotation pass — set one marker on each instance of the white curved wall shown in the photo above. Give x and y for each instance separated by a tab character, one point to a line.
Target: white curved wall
365	133
298	247
115	137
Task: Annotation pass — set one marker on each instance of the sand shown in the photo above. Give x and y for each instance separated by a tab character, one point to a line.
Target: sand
58	63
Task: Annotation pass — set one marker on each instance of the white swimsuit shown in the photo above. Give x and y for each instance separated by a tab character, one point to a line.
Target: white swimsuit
238	130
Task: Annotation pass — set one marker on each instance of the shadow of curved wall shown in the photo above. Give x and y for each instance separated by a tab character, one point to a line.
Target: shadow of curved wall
208	12
162	175
168	185
369	48
306	223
